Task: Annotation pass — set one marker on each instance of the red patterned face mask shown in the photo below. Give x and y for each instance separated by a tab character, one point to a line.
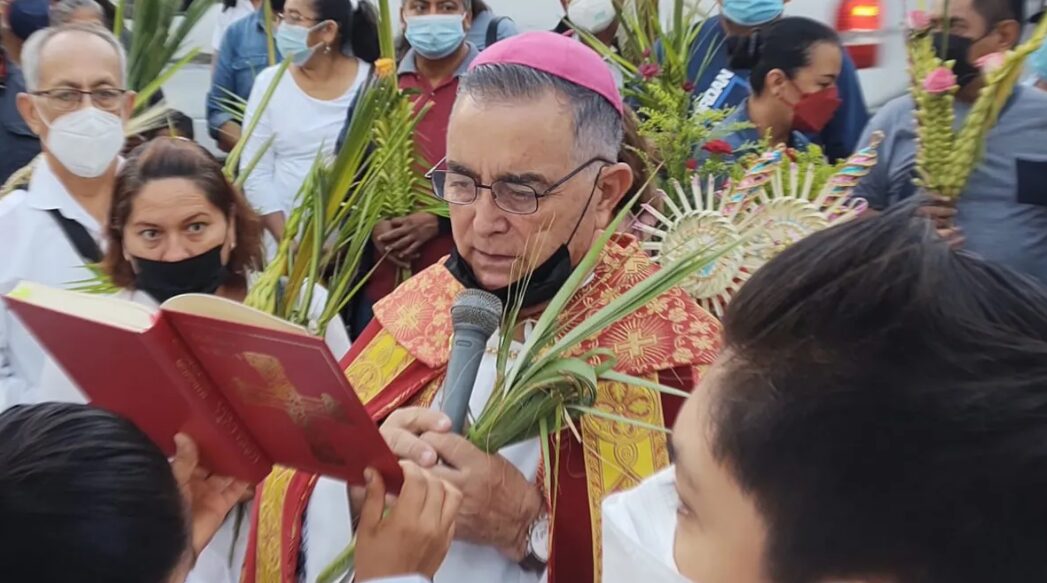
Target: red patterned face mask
814	110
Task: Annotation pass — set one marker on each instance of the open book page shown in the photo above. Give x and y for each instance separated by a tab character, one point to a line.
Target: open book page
103	309
226	310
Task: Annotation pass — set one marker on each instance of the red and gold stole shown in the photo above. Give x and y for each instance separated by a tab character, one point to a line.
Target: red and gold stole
400	360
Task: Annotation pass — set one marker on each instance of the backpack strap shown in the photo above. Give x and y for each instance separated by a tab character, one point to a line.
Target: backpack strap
492	30
85	245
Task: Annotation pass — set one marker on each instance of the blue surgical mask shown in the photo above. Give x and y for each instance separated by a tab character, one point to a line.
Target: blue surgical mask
436	36
752	12
293	40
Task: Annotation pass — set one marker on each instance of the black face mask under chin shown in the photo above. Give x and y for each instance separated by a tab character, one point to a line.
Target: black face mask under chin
163	280
958	50
545	280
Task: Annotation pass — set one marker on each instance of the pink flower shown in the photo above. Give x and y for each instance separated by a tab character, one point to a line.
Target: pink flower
688	86
647	53
650	71
692	164
991	62
918	20
940	81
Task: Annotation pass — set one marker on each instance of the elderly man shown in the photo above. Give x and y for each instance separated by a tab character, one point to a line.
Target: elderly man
902	439
531	177
77	103
1002	212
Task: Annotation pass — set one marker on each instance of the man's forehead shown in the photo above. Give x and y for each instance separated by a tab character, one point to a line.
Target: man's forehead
79	57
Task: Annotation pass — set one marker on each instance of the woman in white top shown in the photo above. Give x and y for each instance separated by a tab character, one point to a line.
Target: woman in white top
333	45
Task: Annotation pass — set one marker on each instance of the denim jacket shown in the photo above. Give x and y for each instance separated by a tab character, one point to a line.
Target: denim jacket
243	54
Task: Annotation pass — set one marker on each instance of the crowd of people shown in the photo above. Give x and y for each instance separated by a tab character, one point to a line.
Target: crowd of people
869	408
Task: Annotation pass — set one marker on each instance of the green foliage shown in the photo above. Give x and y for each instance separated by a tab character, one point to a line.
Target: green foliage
156	42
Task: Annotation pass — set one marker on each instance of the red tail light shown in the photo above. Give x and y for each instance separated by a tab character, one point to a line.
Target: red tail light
854	18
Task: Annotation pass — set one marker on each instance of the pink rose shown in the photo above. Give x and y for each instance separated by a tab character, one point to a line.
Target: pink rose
918	20
940	81
991	62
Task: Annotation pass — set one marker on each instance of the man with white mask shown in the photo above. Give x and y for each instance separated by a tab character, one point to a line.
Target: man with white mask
76	101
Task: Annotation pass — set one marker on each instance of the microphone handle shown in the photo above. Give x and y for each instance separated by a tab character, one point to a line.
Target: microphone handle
467	350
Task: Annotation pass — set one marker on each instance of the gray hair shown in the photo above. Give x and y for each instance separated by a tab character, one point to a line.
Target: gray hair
34	48
63	10
598	129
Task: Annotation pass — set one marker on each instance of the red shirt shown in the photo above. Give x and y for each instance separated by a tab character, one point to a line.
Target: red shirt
430	137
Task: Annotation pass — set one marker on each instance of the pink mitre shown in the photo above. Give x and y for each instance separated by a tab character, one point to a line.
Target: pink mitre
559	56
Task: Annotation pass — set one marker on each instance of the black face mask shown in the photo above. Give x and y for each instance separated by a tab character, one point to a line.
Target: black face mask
163	280
545	280
958	50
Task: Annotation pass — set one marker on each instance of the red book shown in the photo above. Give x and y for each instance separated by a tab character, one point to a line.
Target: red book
251	389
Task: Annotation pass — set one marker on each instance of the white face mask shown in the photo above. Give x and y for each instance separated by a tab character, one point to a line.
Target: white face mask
85	141
592	16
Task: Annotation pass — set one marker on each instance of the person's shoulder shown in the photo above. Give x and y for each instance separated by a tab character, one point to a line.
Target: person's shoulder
11	205
265	77
1030	103
894	109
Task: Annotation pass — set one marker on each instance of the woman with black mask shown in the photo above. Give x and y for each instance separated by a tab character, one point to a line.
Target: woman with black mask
795	63
178	226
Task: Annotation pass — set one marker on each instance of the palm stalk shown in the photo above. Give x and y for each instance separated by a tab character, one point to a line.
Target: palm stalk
156	42
232	162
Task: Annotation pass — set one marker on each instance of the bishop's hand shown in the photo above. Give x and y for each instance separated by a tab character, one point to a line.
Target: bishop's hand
499	504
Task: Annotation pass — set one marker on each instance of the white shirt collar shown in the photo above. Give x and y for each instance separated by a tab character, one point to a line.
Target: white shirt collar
46	192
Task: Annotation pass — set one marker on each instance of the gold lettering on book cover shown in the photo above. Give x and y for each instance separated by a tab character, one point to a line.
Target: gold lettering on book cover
277	392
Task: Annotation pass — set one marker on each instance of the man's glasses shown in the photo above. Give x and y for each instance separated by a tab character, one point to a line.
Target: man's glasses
511	197
68	99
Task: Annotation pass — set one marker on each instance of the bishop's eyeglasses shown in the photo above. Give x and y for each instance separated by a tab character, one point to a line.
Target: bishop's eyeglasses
512	197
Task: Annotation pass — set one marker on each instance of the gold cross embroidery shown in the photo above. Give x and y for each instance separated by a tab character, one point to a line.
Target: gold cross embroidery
277	392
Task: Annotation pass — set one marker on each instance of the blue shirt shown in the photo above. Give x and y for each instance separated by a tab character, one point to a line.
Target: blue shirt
743	142
481	27
244	53
718	86
18	144
1003	208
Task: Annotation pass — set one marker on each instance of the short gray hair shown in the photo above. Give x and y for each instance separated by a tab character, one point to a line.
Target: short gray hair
598	129
34	48
63	10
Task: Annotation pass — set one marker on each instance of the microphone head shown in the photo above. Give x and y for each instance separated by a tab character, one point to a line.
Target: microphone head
478	308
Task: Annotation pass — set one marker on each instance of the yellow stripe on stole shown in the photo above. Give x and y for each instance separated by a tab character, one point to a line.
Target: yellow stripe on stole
382	361
618	456
268	551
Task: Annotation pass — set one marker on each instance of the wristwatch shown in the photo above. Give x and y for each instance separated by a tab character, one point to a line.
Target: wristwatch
537	557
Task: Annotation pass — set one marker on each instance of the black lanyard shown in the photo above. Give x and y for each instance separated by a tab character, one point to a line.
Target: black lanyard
84	243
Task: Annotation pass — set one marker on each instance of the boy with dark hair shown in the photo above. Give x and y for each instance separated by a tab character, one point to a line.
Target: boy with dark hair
879	413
